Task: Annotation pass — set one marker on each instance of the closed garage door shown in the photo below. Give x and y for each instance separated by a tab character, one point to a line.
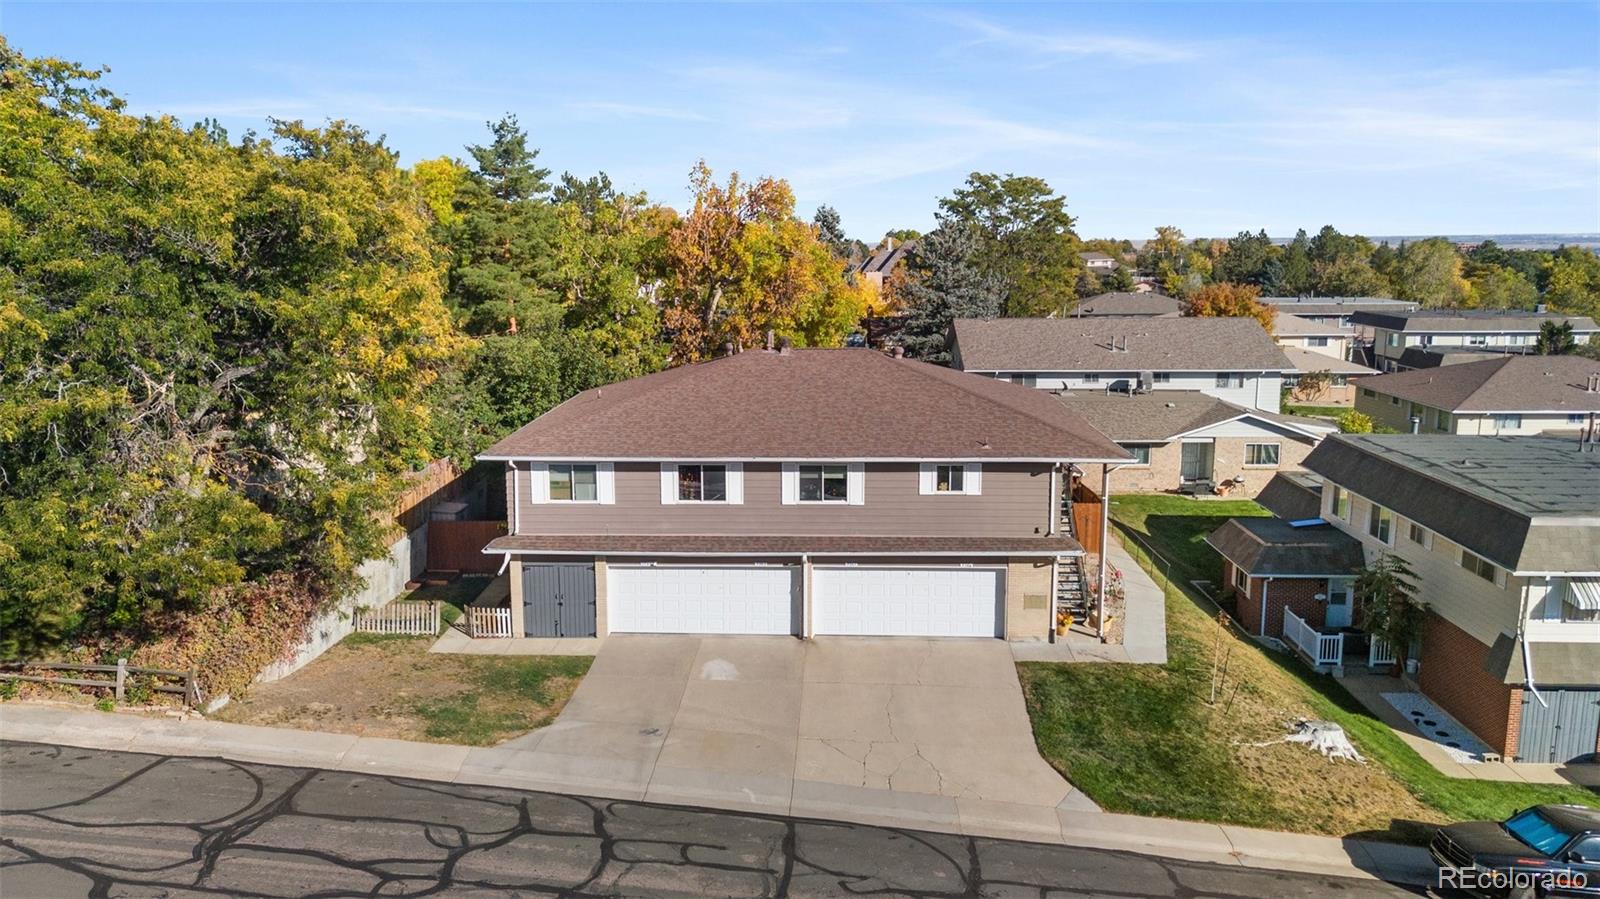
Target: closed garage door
909	602
1563	728
701	599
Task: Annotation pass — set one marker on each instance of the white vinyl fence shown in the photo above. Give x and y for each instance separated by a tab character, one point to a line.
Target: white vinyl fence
1320	648
399	618
487	621
1380	654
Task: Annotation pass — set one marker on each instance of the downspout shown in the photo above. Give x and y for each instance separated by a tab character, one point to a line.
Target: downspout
1265	583
1055	502
805	597
516	497
1522	639
1105	546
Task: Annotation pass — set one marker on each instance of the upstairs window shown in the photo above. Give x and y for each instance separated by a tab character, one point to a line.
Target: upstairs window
702	483
1419	535
1478	565
1341	503
1380	524
824	484
574	484
949	478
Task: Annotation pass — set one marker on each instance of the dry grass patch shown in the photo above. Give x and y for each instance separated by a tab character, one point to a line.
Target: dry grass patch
393	687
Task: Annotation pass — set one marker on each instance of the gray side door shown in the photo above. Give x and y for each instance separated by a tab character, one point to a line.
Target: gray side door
558	600
1561	731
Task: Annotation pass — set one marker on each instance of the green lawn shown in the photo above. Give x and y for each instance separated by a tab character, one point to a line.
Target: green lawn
1323	411
454	596
1147	740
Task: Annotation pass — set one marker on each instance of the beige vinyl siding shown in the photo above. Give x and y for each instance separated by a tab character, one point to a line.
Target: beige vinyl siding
1480	608
1015	502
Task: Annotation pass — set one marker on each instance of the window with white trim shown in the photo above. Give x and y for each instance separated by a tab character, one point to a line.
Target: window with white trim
1140	451
1441	420
824	484
1316	341
702	483
1241	580
949	479
1479	566
1092	377
1264	455
1419	535
1163	377
1477	340
1380	524
574	483
1341	503
1507	422
1229	379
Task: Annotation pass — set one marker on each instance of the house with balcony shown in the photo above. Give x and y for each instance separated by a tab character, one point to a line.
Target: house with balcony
1231	359
1508	331
1500	395
802	492
1503	534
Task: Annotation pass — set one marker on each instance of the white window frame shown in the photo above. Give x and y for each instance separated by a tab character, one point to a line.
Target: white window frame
1375	518
1316	341
1161	377
1136	463
1091	377
732	484
1497	575
1277	453
855	484
971	479
1337	496
1426	541
1508	420
605	484
1241	580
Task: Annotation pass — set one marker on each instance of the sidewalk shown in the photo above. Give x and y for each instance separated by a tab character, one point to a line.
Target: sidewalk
1144	638
507	766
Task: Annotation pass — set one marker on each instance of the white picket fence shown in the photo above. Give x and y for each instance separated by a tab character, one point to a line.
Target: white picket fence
1380	654
487	621
399	618
1320	648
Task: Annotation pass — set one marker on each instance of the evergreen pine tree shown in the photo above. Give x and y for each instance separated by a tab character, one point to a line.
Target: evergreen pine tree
946	284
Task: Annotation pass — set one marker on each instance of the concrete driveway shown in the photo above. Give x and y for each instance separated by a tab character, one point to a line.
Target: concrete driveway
927	727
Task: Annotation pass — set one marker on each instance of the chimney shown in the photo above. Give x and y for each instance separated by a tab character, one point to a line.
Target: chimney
888	243
1593	386
727	348
1540	308
769	340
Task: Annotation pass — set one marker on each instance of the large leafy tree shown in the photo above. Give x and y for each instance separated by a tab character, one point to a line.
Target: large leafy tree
946	282
1024	238
1492	286
1429	272
1246	258
1341	265
740	264
1225	300
214	356
1574	282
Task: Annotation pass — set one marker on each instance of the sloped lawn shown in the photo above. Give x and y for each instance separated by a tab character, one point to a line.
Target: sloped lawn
1148	739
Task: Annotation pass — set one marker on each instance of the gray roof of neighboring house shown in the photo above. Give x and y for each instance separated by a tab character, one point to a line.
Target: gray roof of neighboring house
1292	495
1271	547
1453	320
712	545
1528	504
1285	324
1337	305
1163	414
1124	303
1305	360
884	259
1502	384
1085	344
809	404
1094	254
1435	356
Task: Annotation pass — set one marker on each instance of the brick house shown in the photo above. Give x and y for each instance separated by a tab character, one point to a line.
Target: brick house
1271	565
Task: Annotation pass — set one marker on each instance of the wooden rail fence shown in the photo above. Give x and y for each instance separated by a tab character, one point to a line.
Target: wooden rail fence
184	683
399	618
488	621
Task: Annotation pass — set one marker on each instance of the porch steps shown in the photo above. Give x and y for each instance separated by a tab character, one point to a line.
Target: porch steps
1072	590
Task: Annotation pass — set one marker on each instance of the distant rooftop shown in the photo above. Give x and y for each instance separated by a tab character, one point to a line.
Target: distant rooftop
1313	361
1337	305
1116	343
1499	384
1449	320
1123	303
1162	415
1286	324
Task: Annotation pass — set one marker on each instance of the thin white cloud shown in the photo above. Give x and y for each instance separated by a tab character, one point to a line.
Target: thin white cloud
1075	44
609	109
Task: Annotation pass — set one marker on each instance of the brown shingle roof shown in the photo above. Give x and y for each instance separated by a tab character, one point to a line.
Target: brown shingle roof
1450	320
1163	414
809	404
1309	360
1287	325
1503	384
1123	303
1271	547
1084	344
667	545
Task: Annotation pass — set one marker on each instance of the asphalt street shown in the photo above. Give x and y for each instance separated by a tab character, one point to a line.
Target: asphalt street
82	822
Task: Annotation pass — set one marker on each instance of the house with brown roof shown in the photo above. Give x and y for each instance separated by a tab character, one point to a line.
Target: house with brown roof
1189	442
801	492
1232	359
1502	395
1126	303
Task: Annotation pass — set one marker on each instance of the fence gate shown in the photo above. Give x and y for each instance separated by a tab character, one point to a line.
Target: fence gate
558	600
1561	731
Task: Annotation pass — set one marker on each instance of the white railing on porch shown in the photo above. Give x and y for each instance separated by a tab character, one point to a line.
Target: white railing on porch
399	618
1380	654
1320	648
487	621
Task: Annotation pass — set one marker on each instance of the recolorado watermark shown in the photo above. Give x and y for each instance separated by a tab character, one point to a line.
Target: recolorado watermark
1476	879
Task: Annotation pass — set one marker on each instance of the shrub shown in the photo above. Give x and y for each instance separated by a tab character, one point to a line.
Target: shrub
1354	422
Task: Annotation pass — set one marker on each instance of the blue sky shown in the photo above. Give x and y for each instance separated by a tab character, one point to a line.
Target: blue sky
1379	118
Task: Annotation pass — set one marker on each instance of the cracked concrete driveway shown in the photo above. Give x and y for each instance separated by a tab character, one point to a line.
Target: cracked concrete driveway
921	726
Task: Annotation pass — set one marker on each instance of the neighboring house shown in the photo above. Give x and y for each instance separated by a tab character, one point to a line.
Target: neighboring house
1503	534
1270	566
1119	303
1341	387
1505	395
1232	359
876	268
794	492
1099	263
1192	442
1336	310
1508	331
1321	337
1292	495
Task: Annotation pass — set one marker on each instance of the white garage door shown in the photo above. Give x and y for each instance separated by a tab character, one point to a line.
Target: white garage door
908	602
701	599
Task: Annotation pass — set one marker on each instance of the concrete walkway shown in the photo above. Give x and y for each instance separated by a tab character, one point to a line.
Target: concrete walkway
506	766
1144	639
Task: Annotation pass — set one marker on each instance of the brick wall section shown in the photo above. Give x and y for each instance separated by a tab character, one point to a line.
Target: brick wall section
1452	675
1298	594
1166	461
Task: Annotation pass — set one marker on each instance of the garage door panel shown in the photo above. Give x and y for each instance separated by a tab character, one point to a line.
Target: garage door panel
701	599
922	602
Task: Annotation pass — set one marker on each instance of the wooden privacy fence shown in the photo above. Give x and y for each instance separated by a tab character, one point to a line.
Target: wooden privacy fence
488	621
399	618
458	546
181	683
1086	518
